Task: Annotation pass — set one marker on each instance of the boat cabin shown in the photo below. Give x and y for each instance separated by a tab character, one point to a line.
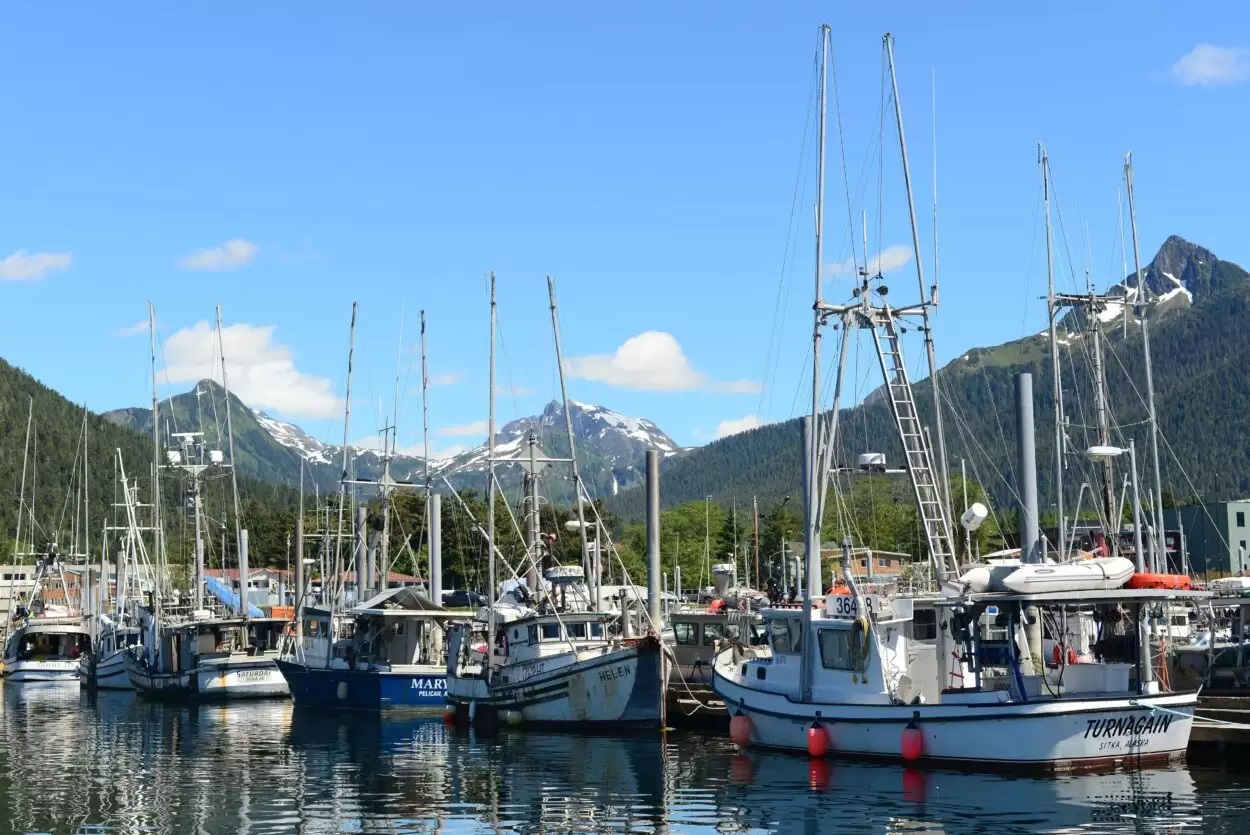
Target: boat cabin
699	635
49	639
525	646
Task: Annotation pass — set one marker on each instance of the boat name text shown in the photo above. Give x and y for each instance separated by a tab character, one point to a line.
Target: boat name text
1127	726
619	671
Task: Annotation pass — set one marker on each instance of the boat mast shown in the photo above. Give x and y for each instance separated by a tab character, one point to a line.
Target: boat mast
21	498
1056	382
592	570
159	534
1160	548
491	590
926	326
337	585
240	531
425	438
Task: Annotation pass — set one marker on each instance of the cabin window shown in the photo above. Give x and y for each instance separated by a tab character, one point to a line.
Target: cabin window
575	630
533	634
551	631
835	649
686	633
516	634
1241	518
719	631
924	625
787	636
596	630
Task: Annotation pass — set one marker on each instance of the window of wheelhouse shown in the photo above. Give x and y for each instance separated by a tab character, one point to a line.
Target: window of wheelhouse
685	633
835	649
924	625
596	629
786	635
712	632
551	631
576	630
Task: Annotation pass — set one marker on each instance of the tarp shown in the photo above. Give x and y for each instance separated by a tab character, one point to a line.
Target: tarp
219	590
406	598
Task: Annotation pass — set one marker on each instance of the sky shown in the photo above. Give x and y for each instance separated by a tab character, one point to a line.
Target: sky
284	160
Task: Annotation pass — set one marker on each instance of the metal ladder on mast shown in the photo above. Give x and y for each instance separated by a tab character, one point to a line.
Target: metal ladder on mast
933	514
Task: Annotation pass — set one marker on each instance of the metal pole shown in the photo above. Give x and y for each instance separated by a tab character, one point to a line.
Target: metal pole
653	537
532	521
492	588
362	519
1030	538
244	572
926	325
1026	457
299	569
436	548
1145	334
1137	538
199	546
1056	383
813	559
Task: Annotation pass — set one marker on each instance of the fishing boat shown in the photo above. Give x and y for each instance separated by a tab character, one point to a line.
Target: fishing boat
46	639
391	659
851	674
196	653
534	656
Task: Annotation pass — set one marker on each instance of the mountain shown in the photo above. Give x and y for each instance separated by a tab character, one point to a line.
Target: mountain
1199	341
611	446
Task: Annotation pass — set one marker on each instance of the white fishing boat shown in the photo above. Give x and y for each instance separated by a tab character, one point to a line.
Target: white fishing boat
47	639
105	667
544	653
855	674
209	659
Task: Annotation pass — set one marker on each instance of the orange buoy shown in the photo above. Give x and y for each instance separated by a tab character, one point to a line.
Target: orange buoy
913	741
818	774
740	729
817	740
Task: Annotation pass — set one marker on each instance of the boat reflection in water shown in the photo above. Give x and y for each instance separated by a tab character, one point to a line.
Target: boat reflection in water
787	794
77	762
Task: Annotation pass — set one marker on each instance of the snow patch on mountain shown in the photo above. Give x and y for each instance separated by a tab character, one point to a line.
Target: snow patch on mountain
292	437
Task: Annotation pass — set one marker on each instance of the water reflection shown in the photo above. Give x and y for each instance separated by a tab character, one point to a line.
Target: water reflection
70	762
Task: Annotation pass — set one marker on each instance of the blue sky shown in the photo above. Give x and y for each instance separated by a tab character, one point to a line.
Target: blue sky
284	159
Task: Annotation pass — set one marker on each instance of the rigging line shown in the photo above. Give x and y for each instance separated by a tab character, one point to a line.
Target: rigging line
846	183
1028	274
772	355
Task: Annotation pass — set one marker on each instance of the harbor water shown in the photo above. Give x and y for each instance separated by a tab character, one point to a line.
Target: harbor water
111	763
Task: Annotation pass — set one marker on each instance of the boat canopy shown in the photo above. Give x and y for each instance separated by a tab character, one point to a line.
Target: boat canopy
400	601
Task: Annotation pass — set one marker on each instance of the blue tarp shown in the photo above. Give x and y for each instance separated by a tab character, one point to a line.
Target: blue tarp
222	592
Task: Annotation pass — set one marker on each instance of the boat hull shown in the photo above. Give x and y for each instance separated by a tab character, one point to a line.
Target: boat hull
41	672
108	673
423	690
621	688
252	677
1044	735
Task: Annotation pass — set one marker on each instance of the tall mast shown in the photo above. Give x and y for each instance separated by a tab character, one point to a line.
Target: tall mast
425	434
592	571
926	326
347	419
240	536
490	452
1056	383
1160	552
1101	411
159	534
815	477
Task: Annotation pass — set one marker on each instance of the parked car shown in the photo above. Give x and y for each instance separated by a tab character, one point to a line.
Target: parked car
463	599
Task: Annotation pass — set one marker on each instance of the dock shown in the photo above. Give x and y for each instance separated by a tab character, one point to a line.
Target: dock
695	706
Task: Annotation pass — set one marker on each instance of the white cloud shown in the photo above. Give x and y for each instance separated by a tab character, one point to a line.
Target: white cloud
229	256
132	330
652	361
261	371
32	266
478	427
734	426
449	379
887	260
1208	64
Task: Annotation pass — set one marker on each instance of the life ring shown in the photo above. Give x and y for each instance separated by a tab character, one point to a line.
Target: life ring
1056	655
